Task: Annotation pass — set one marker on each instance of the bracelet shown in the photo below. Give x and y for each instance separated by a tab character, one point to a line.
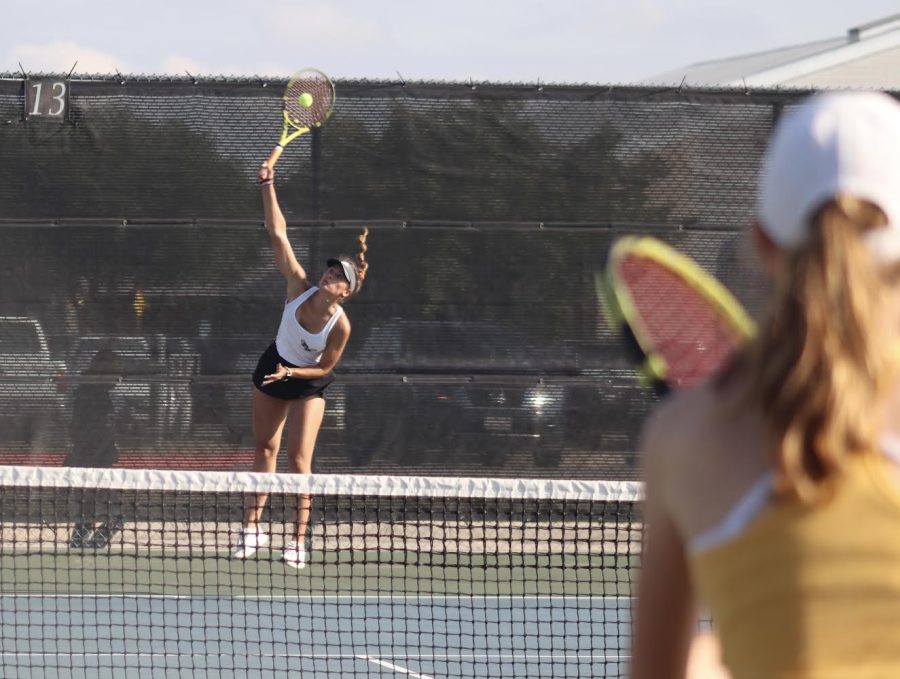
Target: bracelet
287	375
267	182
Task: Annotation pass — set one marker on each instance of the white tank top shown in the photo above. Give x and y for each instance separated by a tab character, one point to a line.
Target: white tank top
294	343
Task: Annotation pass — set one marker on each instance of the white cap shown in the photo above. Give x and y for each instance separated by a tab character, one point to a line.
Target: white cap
839	143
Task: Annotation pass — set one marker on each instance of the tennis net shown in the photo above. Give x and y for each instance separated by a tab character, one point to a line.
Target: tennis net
130	572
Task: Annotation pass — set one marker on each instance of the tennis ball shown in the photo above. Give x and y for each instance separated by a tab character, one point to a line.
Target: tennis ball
305	100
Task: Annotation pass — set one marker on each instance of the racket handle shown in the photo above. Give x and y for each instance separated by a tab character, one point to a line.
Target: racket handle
274	156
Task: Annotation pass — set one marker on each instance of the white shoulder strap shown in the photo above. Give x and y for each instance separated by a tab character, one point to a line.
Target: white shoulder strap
738	518
334	319
302	297
890	447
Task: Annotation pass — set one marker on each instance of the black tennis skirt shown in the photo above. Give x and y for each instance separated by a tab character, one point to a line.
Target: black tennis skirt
288	390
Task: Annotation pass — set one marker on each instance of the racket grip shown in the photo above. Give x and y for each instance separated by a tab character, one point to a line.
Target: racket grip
274	156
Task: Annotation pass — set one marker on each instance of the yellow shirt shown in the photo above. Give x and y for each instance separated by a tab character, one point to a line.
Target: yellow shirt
812	592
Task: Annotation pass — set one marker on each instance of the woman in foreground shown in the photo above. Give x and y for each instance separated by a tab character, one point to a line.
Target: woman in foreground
773	490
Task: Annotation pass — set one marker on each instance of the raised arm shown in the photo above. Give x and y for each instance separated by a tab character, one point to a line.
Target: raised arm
276	227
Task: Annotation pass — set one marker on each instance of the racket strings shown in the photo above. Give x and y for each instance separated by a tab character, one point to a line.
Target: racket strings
681	324
319	87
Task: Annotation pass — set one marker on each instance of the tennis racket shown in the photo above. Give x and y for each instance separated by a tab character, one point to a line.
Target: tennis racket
679	324
307	103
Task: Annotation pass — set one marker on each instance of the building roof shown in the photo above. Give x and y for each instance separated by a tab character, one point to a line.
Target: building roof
792	64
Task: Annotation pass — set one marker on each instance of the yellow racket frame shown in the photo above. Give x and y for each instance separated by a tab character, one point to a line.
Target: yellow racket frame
289	130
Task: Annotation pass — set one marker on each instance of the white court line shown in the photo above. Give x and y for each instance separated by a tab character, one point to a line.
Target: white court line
391	666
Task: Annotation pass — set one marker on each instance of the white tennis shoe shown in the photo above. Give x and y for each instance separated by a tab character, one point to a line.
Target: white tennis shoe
248	542
294	555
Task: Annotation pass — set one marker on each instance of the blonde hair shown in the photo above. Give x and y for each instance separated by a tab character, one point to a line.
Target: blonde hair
361	264
822	360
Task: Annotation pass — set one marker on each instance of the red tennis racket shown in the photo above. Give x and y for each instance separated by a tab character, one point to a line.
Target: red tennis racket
678	322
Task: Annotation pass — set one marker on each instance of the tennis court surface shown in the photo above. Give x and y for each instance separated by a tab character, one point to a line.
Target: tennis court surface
408	576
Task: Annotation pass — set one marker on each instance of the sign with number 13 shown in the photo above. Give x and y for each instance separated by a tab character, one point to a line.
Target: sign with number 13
46	99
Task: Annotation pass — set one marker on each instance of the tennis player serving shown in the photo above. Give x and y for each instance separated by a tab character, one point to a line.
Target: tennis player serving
296	369
773	488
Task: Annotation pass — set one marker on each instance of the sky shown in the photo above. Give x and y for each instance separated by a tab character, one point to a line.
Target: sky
524	41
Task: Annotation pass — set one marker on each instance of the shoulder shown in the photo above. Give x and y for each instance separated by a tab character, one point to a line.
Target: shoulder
675	421
702	449
297	287
677	441
342	325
